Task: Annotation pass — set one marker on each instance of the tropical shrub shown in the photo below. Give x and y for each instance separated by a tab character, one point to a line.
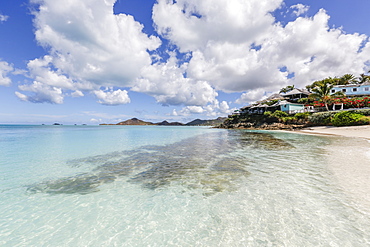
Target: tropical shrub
303	101
365	112
279	114
303	115
321	118
289	120
357	102
348	118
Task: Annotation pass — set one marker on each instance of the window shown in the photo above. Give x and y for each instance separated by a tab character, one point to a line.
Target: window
333	91
344	90
354	89
366	89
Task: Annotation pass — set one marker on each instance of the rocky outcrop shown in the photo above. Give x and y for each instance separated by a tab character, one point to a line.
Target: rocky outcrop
262	122
263	126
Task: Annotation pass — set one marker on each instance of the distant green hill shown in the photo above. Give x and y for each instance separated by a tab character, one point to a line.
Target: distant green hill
196	122
165	123
134	121
212	122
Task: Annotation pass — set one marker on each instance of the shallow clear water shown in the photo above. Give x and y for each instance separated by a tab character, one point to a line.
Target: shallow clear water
171	186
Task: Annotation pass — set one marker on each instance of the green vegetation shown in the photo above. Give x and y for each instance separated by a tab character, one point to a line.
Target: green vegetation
271	102
321	118
287	89
322	91
303	115
343	80
363	78
348	118
279	114
335	118
365	112
271	117
354	102
343	118
321	98
303	101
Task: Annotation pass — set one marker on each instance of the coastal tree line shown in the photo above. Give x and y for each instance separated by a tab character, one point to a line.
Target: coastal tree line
321	92
321	97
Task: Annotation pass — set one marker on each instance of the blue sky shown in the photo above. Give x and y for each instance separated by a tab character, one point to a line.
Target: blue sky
104	61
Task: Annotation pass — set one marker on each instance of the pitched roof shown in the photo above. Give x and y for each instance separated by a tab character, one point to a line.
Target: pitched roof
297	91
274	96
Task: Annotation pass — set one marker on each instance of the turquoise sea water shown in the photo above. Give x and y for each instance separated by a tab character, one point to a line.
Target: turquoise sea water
171	186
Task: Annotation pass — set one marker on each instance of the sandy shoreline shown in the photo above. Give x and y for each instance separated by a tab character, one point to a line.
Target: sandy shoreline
350	131
349	160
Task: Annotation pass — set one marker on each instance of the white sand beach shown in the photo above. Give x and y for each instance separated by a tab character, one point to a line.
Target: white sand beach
351	131
349	160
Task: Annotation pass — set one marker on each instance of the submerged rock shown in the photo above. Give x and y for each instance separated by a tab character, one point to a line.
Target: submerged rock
201	163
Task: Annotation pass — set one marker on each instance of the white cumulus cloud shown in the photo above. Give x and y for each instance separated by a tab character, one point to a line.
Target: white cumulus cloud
89	46
228	45
5	69
299	9
167	83
77	93
251	96
111	97
90	43
238	46
41	93
192	24
193	110
212	109
41	72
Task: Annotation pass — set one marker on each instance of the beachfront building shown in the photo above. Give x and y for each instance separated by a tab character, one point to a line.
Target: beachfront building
253	109
353	89
292	108
296	94
281	105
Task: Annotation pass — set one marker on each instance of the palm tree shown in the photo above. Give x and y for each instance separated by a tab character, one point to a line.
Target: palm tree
322	91
363	78
287	89
329	80
347	79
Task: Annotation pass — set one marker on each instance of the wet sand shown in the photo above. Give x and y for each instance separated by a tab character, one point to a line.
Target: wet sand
349	160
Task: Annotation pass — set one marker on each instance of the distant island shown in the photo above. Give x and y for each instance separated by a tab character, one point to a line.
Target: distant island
196	122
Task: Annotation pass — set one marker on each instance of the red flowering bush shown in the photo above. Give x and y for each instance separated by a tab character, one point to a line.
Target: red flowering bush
359	102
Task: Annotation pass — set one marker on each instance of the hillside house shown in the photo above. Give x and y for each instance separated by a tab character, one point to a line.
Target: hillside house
281	105
292	108
296	94
353	89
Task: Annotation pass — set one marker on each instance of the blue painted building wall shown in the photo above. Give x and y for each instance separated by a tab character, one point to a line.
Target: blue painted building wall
291	107
352	90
